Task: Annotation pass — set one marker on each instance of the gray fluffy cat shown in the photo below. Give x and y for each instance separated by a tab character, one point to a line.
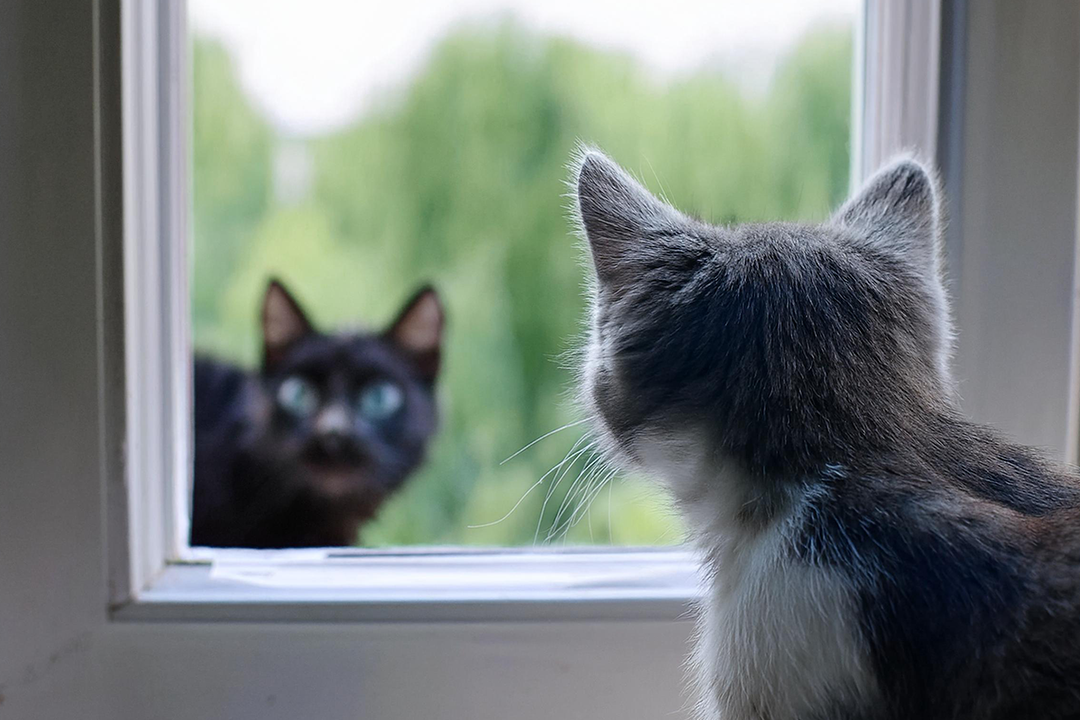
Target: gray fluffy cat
870	553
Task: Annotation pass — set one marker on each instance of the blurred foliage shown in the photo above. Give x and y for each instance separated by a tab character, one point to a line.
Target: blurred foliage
459	178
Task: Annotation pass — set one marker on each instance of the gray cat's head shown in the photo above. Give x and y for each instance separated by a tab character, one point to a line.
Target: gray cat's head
788	346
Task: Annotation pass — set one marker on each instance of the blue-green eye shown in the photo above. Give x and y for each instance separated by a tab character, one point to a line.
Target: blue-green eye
298	396
380	400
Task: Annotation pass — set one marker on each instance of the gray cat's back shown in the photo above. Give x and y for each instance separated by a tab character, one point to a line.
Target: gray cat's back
870	553
965	569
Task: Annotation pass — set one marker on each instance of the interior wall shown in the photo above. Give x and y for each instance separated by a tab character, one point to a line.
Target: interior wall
52	586
1011	171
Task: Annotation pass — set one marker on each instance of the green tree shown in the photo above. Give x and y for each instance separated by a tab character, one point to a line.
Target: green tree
231	176
459	178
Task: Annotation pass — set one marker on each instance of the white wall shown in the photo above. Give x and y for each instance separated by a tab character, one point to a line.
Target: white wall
52	580
1013	177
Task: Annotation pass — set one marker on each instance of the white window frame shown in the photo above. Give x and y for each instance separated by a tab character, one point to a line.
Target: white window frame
94	621
537	583
896	83
972	87
166	580
154	353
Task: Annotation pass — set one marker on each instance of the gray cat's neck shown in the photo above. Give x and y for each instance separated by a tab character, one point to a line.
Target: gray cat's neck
721	500
776	634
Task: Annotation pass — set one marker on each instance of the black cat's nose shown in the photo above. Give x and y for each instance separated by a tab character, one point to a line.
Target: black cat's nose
333	421
333	429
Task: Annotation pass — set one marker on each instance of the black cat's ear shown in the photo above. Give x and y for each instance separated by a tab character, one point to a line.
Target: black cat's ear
418	331
283	323
898	210
617	215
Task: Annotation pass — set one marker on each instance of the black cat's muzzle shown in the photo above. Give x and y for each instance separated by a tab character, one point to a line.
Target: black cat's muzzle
335	450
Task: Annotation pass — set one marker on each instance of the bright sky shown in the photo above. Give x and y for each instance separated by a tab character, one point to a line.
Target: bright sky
312	64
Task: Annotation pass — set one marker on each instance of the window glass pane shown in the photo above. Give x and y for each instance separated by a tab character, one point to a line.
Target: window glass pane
358	151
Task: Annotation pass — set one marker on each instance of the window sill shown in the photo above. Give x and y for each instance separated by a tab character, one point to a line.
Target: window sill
423	586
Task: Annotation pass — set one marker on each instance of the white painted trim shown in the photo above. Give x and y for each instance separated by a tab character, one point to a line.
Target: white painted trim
897	88
305	585
1072	418
988	91
155	288
595	670
1010	145
163	584
109	99
858	98
427	586
176	232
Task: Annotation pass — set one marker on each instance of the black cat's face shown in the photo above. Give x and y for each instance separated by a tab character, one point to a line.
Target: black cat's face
350	414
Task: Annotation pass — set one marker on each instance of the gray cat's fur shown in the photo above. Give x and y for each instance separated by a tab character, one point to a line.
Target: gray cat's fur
870	553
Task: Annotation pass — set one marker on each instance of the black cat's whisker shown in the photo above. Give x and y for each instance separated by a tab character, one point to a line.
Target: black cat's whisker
542	437
558	466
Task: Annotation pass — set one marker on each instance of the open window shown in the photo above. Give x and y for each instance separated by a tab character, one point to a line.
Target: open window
356	158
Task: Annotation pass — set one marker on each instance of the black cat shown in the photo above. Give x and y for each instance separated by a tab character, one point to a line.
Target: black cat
303	452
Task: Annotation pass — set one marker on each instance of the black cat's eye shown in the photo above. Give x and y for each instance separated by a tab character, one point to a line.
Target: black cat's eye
298	396
380	400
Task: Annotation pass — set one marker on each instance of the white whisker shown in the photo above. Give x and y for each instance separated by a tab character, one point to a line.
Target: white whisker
511	511
610	537
551	488
568	501
585	473
562	476
542	437
586	502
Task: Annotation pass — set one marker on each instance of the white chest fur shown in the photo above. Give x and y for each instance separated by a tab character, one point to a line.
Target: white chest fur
777	637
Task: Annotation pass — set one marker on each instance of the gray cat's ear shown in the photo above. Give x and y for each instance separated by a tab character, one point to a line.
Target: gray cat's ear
283	323
418	331
616	215
898	210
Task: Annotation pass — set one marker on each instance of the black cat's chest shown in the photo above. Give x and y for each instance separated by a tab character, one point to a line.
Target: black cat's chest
222	395
223	404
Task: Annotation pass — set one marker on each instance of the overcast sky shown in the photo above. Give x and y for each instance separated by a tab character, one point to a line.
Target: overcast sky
312	64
